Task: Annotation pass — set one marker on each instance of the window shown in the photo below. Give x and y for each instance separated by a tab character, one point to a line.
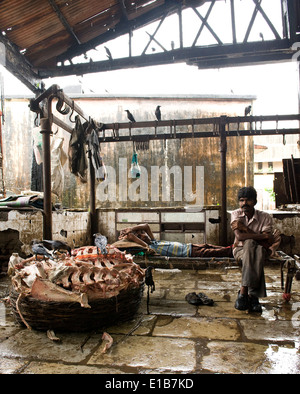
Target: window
270	166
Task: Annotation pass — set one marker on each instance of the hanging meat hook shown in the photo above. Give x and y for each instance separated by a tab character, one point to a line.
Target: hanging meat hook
60	109
72	121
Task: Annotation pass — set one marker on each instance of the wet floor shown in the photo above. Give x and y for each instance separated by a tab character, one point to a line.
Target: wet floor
175	337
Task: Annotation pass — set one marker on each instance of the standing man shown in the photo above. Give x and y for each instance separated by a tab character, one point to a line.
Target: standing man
253	238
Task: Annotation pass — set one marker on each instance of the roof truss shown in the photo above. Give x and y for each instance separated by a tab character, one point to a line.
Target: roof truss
70	31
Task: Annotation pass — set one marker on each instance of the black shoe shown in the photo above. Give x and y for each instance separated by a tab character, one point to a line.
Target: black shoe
254	305
205	300
192	298
199	299
242	302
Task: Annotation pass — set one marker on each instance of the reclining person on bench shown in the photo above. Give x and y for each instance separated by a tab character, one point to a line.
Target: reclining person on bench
141	234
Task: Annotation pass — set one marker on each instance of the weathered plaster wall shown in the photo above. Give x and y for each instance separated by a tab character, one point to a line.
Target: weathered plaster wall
20	227
17	145
111	221
18	140
188	152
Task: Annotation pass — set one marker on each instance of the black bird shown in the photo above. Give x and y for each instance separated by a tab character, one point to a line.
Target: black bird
248	110
130	116
108	53
56	245
158	113
39	248
100	242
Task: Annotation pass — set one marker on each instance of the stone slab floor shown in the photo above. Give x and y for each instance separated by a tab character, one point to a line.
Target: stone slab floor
174	338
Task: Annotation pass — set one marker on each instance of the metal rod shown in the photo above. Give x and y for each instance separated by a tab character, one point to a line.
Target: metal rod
204	134
55	91
233	21
180	26
223	151
208	27
212	121
46	132
93	213
294	179
251	22
265	16
203	22
2	187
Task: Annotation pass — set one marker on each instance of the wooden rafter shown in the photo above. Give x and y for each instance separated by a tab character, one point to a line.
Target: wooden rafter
64	21
40	56
19	67
123	9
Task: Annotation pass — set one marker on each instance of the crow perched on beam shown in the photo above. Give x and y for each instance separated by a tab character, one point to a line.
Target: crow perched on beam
130	116
108	53
248	110
158	113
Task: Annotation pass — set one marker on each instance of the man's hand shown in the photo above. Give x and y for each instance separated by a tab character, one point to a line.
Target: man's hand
125	232
268	238
238	225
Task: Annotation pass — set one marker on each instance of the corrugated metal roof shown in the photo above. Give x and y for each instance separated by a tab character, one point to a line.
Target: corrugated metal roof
38	31
40	34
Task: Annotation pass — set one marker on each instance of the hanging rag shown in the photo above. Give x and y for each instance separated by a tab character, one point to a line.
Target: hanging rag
97	160
76	153
37	161
58	159
38	145
135	171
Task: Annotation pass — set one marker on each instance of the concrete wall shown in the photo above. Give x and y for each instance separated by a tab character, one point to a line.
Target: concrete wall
18	142
188	152
20	227
190	227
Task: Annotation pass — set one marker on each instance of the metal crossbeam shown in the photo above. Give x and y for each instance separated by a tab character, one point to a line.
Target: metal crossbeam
205	23
215	123
239	52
